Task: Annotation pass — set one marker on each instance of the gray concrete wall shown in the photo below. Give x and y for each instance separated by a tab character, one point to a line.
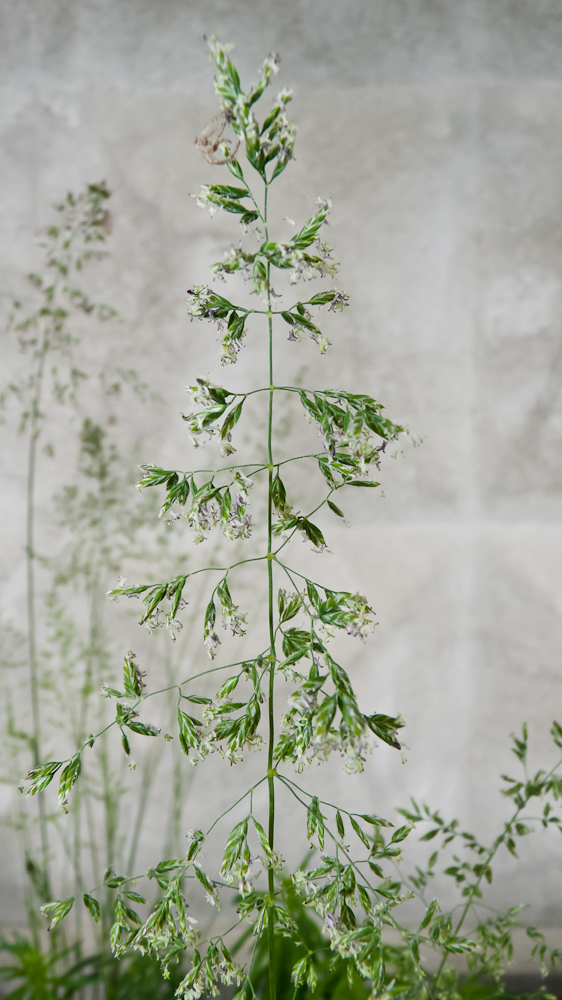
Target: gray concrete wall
437	130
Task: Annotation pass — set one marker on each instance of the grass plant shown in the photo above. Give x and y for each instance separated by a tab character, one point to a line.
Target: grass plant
55	663
353	915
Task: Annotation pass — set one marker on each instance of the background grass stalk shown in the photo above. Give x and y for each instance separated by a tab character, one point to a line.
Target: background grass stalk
34	432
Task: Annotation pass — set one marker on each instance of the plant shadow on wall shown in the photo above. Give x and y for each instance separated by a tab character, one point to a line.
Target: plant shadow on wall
54	672
352	920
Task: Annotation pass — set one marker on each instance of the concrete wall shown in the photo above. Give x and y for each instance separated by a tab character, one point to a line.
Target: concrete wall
436	127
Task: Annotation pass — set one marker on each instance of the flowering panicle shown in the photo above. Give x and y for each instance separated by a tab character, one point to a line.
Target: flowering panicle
212	506
349	424
235	259
206	973
353	897
230	612
323	715
203	303
339	302
275	139
215	402
306	266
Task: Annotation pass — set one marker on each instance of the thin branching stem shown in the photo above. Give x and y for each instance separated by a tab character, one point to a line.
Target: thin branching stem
271	623
34	432
249	791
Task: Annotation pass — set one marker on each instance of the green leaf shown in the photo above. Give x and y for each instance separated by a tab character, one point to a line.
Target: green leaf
278	493
348	916
210	616
313	533
68	777
309	231
203	880
279	168
227	191
236	326
431	834
325	714
299	970
339	824
235	169
335	509
142	728
253	715
364	897
232	419
229	204
432	909
135	896
132	678
115	935
556	733
385	726
92	905
259	275
115	882
360	833
313	595
153	598
315	822
262	836
175	591
223	594
400	834
361	482
155	476
228	687
131	915
189	731
294	658
296	641
273	114
510	844
234	845
42	776
322	298
520	745
312	818
375	820
213	413
113	692
292	608
197	839
177	493
326	472
168	866
57	910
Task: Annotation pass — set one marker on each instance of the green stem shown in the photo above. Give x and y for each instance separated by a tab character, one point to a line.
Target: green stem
31	604
93	645
234	804
271	718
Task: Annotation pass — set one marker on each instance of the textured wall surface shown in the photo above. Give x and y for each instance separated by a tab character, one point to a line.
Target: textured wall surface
436	128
